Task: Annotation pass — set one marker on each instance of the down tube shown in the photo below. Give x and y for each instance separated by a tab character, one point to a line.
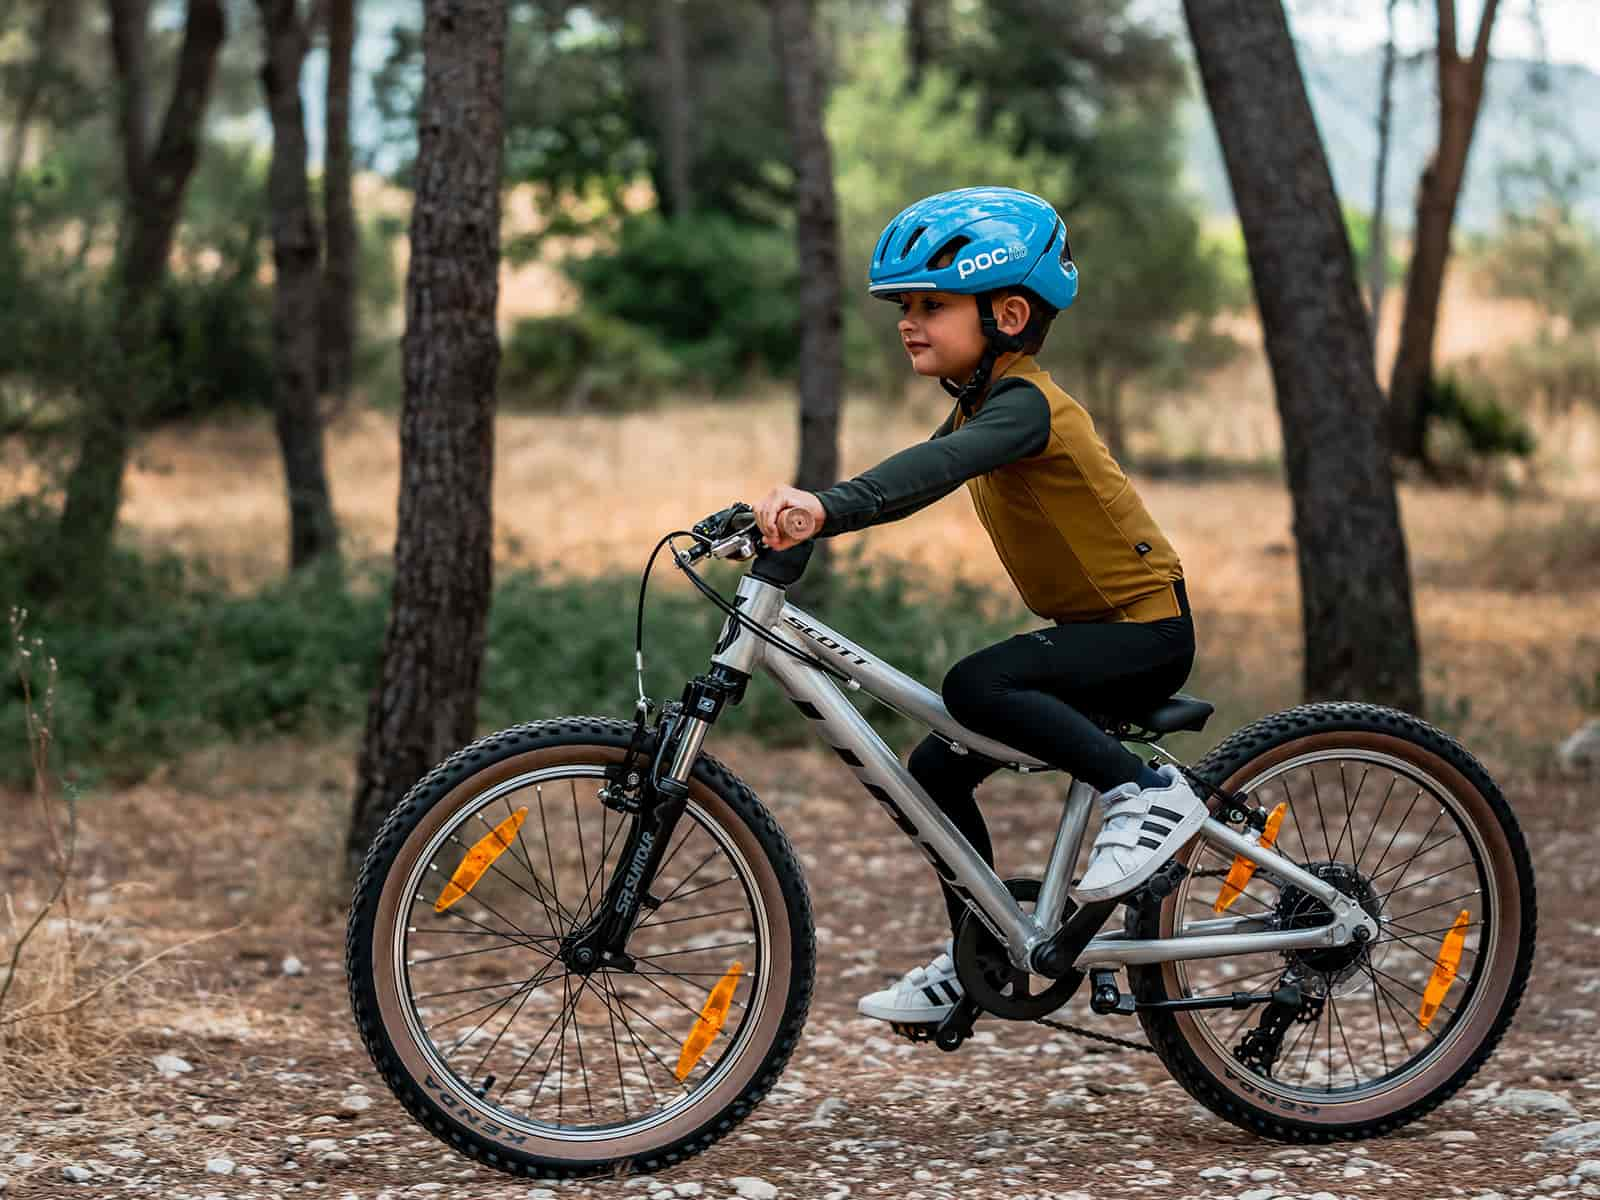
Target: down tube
880	772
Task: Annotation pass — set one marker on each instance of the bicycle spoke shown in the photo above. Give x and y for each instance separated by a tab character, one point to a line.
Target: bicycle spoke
1321	820
702	888
1409	809
680	920
695	950
1438	904
1388	792
1444	1008
1343	1037
528	1058
583	854
715	850
583	1066
1420	882
1350	803
1420	852
616	1051
633	1039
1377	1014
1305	853
683	1083
555	882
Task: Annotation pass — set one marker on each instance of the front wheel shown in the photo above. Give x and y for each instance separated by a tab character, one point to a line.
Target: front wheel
1402	819
475	1009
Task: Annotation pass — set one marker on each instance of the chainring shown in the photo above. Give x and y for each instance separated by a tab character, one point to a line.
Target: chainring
994	984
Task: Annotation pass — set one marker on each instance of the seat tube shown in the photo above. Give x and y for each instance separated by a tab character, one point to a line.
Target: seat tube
1064	856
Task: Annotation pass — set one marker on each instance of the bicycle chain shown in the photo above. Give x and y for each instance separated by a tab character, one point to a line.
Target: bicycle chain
1097	1037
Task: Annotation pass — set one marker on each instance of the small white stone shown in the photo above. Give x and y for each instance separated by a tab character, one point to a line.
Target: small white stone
1258	1194
355	1103
292	966
751	1188
1585	1169
1455	1135
1526	1102
318	1145
324	1120
1144	1164
1214	1173
1488	1196
4	1183
333	1158
1551	1182
69	1106
1322	1196
220	1166
1265	1174
1578	1139
217	1121
681	1189
78	1174
171	1065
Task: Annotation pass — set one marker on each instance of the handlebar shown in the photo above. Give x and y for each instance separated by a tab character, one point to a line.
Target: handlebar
732	533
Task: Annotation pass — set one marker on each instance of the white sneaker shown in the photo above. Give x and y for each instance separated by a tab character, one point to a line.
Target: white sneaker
1140	830
924	994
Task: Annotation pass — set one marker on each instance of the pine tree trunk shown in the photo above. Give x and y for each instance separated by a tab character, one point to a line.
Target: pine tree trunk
1378	251
817	239
425	704
1460	96
296	291
1360	634
154	187
671	75
336	368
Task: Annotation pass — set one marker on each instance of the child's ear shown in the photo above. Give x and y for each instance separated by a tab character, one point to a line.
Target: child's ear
1013	314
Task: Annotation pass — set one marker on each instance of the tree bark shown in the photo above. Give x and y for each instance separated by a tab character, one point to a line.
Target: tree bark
1460	96
338	337
925	37
154	186
671	73
296	290
425	704
1360	633
817	240
1378	250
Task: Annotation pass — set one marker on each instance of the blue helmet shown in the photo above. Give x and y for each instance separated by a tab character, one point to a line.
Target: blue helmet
1002	238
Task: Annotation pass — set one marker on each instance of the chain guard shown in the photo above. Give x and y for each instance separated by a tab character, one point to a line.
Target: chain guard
994	984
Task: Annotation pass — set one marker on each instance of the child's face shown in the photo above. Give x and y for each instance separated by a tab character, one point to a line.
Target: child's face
940	331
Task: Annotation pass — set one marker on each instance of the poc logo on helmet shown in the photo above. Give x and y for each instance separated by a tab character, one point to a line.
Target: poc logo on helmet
981	262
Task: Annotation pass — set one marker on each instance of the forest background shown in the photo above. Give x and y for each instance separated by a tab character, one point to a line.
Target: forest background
228	617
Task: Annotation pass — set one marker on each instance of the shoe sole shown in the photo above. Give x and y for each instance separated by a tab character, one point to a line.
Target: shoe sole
1159	857
908	1016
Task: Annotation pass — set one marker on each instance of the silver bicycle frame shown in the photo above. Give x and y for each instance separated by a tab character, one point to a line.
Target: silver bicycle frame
878	768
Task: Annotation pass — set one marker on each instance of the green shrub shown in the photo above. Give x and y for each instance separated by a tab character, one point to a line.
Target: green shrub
580	360
1473	412
166	661
721	297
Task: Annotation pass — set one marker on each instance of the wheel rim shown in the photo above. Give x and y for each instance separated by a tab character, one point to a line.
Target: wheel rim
1422	860
576	1059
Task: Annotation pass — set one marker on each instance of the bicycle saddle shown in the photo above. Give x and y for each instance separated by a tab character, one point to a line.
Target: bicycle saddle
1171	715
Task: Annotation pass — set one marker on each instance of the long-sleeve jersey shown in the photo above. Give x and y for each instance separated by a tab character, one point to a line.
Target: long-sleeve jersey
1071	531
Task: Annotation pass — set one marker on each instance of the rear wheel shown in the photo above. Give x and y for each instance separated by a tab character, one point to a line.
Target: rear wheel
1400	817
465	986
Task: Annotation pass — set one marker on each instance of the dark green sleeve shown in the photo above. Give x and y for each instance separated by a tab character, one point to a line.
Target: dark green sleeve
1014	423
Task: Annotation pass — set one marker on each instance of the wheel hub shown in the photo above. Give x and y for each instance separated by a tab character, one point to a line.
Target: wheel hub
1324	968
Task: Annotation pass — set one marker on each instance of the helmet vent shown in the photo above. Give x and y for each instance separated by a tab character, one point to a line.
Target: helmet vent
1052	241
946	254
912	240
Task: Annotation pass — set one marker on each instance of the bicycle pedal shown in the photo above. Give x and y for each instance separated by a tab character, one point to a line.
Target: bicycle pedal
915	1031
1159	886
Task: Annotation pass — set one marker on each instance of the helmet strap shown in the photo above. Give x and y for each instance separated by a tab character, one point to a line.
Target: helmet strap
996	343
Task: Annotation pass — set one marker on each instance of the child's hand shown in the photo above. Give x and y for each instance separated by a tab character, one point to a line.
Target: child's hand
778	515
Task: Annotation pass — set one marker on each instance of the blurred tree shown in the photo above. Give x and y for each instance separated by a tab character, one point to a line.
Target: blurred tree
1378	245
40	78
1460	95
927	33
817	242
425	704
1360	631
337	341
154	182
296	289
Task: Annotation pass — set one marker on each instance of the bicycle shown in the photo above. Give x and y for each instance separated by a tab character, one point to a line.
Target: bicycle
475	975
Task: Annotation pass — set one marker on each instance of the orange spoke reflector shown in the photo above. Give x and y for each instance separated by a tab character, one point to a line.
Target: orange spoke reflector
711	1018
479	859
1239	874
1444	970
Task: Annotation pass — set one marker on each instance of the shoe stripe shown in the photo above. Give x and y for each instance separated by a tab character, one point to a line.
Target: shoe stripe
1156	827
950	990
1165	813
1151	842
933	996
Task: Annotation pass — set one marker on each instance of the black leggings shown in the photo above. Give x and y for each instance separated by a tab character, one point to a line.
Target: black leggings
1030	692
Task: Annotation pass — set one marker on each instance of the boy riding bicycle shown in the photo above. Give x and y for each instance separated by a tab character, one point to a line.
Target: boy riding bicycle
980	274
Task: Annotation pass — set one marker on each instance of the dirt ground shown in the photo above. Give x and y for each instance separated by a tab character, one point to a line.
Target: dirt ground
230	841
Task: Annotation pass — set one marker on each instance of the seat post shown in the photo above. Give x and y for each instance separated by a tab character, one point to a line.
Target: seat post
1063	857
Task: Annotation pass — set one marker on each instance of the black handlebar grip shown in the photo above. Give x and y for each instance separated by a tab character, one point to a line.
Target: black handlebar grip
782	568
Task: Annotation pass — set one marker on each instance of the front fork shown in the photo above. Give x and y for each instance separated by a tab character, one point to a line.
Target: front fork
656	799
